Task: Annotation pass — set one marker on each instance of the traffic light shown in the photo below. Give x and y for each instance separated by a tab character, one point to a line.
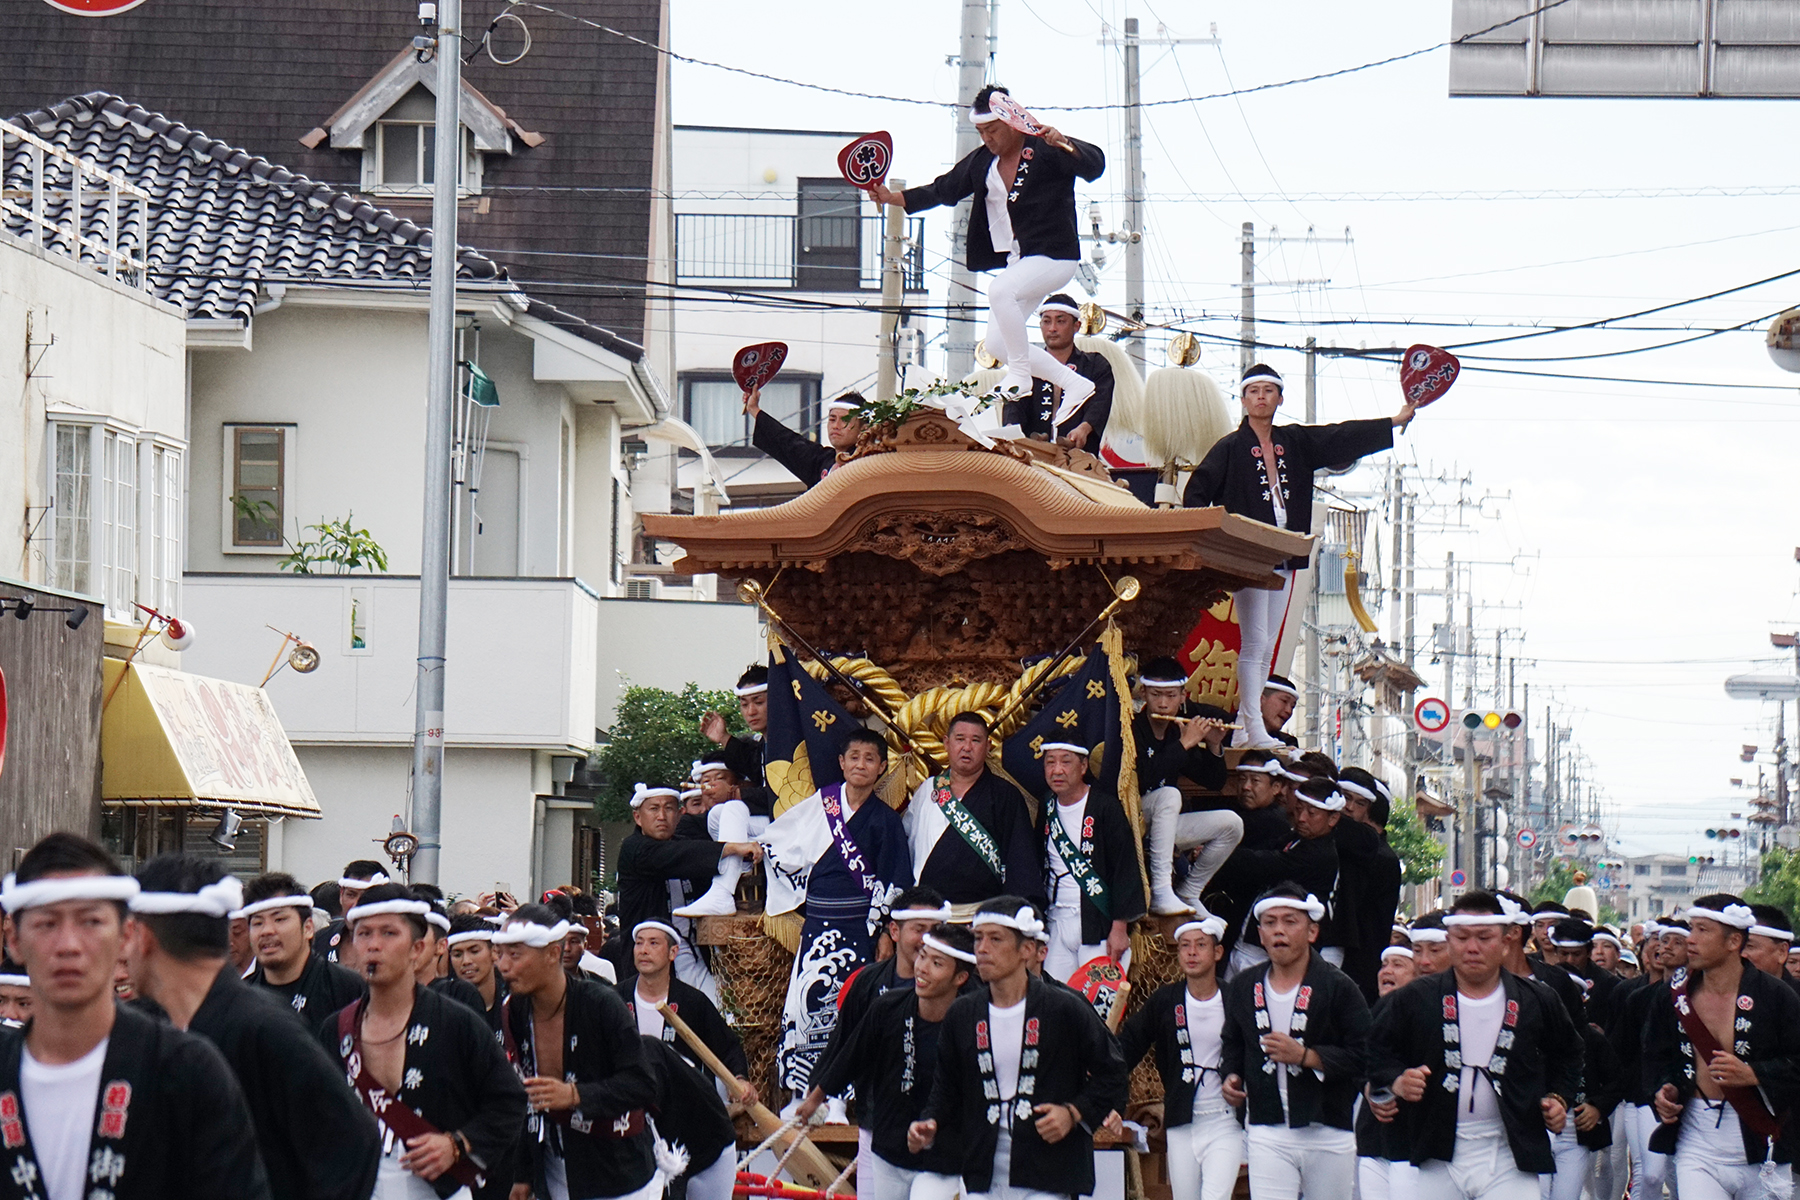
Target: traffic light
1491	719
1724	834
1701	860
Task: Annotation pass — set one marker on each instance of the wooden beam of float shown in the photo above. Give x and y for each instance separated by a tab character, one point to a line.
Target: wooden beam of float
947	561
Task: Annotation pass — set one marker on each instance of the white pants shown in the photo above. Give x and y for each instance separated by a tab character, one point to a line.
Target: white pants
1610	1169
1372	1178
1317	1160
885	1181
714	1182
1014	295
1260	613
1480	1168
1573	1162
1204	1157
927	1185
1000	1187
1709	1156
395	1182
1245	957
865	1154
1067	952
1649	1169
1216	833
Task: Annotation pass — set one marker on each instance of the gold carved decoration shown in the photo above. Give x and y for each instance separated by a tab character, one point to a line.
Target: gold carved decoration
938	543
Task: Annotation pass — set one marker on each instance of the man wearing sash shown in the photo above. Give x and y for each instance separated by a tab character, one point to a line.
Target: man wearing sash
583	1064
1485	1063
653	955
279	913
1184	1023
333	944
429	1068
1723	1051
1295	1034
970	830
317	1142
96	1098
1025	1073
841	855
1091	856
891	1058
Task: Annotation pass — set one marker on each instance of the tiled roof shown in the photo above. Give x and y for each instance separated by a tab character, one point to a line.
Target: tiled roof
224	221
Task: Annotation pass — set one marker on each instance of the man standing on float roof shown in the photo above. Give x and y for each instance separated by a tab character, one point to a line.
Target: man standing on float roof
1265	471
1024	228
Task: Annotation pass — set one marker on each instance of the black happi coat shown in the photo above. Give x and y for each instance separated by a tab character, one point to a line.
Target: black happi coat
1566	988
1041	205
807	460
698	1014
1114	854
455	1076
325	943
1310	862
1236	884
455	987
960	876
645	867
1082	1066
1337	1028
1036	412
172	1120
1153	1027
1546	1056
1163	761
687	1108
1631	1009
891	1058
1602	991
1603	1083
604	1056
867	984
1368	896
1770	1045
317	1140
1231	473
1374	1138
321	989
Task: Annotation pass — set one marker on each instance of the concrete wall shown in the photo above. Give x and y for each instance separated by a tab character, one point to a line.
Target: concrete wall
80	341
487	815
671	643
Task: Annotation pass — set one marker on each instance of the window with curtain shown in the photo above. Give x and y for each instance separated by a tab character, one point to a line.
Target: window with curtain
714	406
72	486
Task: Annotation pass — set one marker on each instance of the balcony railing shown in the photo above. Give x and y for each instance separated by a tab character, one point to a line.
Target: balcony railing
812	253
69	206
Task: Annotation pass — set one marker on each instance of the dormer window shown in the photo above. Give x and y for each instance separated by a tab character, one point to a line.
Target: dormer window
391	120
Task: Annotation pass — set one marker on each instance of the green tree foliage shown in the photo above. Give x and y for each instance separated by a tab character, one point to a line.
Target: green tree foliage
655	739
1780	884
1558	878
1421	854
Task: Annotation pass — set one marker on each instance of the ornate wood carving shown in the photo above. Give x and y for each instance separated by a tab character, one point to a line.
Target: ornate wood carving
938	543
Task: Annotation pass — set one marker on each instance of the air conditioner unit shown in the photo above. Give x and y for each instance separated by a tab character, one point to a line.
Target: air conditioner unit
643	589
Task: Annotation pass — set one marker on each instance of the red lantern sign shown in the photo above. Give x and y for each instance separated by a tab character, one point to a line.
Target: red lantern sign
865	161
94	8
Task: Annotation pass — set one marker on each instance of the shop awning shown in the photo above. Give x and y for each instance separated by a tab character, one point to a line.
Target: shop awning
173	739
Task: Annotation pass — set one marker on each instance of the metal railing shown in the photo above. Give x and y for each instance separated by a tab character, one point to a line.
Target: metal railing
74	207
827	253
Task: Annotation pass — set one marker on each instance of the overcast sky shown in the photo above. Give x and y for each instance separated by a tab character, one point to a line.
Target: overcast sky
1651	528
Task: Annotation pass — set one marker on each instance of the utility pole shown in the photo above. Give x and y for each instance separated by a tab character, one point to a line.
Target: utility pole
893	253
1447	749
1247	334
440	399
1315	675
959	324
1135	300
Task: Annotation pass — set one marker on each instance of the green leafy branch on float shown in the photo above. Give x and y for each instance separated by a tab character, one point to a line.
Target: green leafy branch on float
888	414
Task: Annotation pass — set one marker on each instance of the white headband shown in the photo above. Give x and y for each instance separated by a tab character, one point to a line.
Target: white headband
530	933
1260	377
1310	906
982	118
1076	313
1769	931
1268	767
1024	921
1672	931
1357	790
842	405
1212	927
1071	747
755	689
1511	913
250	910
16	896
1427	934
701	768
642	792
434	917
15	981
214	900
1572	944
660	927
949	951
1738	916
1331	803
689	794
363	885
940	913
399	908
471	935
1397	952
1603	936
1286	689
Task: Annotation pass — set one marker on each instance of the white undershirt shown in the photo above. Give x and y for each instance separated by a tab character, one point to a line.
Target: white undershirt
60	1103
649	1021
1478	1023
1281	1020
1008	1026
1000	230
1206	1032
1068	891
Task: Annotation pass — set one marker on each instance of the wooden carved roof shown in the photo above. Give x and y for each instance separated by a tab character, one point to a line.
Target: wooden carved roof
944	560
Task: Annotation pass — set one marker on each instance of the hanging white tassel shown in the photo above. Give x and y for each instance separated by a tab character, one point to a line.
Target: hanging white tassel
1777	1181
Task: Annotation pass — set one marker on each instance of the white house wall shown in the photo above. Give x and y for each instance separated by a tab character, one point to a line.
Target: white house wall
671	643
